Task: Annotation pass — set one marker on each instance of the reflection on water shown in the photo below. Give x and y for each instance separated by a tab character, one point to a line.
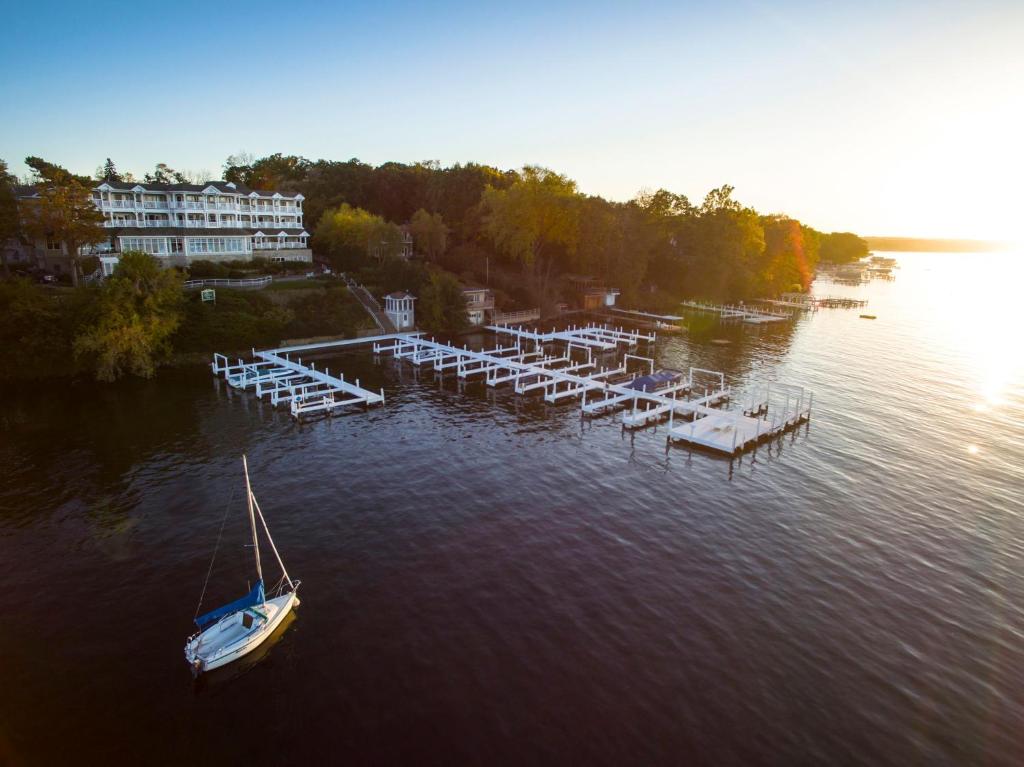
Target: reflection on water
491	579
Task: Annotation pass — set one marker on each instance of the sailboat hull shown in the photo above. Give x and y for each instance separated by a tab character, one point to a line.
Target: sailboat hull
230	638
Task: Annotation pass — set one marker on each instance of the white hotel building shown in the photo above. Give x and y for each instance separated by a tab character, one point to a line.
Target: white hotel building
215	221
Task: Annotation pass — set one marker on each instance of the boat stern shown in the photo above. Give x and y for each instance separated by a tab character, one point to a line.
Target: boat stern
192	657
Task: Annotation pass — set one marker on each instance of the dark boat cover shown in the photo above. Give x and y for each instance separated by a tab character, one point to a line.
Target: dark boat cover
254	597
654	381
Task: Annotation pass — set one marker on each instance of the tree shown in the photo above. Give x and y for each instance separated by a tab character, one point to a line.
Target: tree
138	310
43	171
535	220
274	172
64	211
109	172
10	222
352	236
663	203
164	174
843	248
723	246
430	233
442	307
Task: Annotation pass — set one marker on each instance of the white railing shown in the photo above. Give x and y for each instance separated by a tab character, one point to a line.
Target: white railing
509	318
114	224
273	245
155	204
218	282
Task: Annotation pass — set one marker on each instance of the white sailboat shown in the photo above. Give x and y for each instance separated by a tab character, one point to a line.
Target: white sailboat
239	627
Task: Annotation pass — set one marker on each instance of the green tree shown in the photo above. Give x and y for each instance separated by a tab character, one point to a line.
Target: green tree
164	174
724	246
442	307
33	339
10	221
277	171
110	172
535	221
138	309
64	211
663	203
843	248
351	237
47	171
429	233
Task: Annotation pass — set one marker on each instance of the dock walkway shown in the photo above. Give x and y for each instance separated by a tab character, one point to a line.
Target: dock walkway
738	313
281	375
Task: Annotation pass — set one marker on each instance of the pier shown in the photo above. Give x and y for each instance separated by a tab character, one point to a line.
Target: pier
733	432
690	402
813	303
738	313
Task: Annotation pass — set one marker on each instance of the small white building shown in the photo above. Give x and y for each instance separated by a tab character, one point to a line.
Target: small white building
479	301
400	310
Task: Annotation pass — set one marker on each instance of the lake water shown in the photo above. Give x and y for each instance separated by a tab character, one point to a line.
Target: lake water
491	580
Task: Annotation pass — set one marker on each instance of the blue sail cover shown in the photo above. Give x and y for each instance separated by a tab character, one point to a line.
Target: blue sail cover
254	597
654	381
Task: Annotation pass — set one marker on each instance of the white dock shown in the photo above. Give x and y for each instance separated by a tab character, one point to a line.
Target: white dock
598	337
282	376
732	432
668	319
303	388
739	313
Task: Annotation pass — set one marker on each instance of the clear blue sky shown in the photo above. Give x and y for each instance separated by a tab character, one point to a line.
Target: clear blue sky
879	117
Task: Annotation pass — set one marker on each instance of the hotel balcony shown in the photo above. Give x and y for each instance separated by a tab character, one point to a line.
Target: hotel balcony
123	222
276	245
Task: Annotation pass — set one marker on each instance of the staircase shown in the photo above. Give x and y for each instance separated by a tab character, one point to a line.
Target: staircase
369	303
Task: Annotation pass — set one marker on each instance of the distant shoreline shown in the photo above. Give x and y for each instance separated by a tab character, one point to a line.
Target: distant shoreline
909	244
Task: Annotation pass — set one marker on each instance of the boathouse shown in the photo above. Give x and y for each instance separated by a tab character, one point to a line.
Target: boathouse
400	310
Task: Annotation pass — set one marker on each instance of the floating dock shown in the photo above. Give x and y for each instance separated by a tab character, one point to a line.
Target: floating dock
572	373
733	432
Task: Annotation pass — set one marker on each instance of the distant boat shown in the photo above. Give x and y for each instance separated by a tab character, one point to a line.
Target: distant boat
237	628
655	381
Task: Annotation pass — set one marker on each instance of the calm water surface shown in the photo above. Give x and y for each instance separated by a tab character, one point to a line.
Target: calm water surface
490	580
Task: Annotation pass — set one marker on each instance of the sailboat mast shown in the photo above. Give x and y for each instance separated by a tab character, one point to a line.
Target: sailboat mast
272	545
252	519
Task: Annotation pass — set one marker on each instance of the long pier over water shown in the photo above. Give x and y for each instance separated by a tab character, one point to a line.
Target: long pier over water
560	365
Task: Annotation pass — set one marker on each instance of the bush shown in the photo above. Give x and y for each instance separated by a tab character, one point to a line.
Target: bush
204	270
236	320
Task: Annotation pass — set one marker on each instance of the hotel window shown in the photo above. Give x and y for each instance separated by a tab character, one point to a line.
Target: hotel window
216	245
155	246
